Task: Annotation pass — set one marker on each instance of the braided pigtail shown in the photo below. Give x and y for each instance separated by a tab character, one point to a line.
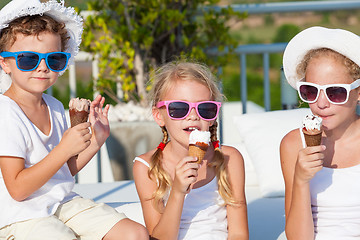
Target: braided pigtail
220	169
158	174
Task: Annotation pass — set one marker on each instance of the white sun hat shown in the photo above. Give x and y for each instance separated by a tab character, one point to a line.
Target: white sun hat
339	40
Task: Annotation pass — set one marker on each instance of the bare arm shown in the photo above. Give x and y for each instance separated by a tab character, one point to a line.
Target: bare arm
299	166
164	225
236	215
21	182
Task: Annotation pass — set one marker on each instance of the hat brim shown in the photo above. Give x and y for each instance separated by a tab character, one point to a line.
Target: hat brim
339	40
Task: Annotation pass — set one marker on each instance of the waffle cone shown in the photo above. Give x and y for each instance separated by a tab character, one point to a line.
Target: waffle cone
196	151
77	117
312	140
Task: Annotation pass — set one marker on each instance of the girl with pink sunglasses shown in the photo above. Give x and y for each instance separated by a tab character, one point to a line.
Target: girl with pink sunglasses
322	187
180	198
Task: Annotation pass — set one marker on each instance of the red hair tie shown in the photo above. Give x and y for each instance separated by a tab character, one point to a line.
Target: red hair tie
216	144
161	146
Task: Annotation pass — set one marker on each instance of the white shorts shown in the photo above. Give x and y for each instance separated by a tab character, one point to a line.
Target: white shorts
77	219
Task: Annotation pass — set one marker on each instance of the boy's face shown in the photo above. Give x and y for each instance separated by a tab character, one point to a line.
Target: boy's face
40	79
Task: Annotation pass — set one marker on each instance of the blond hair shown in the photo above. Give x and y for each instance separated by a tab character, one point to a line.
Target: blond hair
353	68
162	80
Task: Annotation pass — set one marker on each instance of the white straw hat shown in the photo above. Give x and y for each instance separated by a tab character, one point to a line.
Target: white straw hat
339	40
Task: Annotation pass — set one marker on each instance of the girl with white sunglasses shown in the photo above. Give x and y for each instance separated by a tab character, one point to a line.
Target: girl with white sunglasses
180	198
322	187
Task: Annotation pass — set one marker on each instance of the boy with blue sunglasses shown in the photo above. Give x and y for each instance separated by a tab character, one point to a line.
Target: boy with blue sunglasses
37	163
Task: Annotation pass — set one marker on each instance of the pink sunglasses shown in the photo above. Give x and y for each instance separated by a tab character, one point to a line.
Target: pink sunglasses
177	110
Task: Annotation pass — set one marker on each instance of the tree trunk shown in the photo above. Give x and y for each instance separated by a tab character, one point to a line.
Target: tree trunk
140	78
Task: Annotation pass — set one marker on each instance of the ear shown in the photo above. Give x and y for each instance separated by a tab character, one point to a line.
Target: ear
158	117
4	65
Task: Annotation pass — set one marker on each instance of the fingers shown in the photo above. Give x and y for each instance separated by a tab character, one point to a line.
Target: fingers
82	125
186	172
96	106
310	161
186	163
313	149
106	110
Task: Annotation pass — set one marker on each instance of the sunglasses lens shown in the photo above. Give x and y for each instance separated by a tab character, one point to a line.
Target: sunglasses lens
308	93
336	94
27	61
57	61
208	110
178	109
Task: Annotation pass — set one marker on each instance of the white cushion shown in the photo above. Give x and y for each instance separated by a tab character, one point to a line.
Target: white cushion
262	134
133	211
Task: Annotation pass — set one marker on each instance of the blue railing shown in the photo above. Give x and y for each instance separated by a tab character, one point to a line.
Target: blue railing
300	6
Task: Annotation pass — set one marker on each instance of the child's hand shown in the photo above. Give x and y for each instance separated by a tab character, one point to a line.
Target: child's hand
99	121
309	162
186	172
76	139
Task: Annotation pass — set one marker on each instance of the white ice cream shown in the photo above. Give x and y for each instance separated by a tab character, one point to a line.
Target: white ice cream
81	104
311	122
199	136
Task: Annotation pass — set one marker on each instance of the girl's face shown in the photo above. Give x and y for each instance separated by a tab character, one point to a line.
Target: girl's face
40	79
185	90
327	70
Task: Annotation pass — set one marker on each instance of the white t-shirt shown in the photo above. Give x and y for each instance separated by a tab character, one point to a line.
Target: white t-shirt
19	137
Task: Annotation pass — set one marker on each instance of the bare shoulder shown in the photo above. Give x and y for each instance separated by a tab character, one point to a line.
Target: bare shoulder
291	142
145	157
230	151
289	148
233	157
236	170
141	167
144	184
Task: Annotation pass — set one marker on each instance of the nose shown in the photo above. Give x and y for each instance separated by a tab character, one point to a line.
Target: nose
193	115
42	66
322	101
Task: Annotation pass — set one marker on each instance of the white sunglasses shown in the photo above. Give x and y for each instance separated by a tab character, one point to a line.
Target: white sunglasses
335	93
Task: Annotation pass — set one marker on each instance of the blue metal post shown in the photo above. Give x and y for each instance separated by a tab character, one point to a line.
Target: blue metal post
266	82
243	83
289	99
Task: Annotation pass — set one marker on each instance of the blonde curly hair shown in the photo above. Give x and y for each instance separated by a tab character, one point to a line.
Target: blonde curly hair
353	68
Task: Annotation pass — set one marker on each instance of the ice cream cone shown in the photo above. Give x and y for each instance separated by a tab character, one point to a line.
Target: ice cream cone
198	151
199	142
79	111
312	140
77	117
312	129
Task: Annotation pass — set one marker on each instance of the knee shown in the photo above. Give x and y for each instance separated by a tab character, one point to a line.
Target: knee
137	232
129	230
141	233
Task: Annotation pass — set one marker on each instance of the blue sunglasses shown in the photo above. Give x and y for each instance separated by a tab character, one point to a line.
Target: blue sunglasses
29	61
